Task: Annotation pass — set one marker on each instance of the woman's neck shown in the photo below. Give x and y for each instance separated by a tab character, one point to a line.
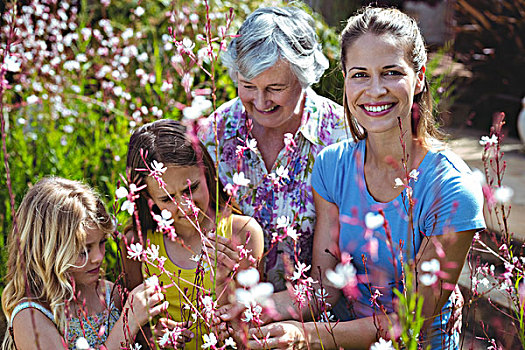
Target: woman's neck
390	151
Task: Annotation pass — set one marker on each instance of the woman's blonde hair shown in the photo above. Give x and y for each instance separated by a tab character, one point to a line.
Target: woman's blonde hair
50	234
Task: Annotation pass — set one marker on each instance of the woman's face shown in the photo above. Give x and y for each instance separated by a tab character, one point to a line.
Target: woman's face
380	83
187	186
274	98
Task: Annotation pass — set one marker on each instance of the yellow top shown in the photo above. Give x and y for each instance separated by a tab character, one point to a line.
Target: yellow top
186	281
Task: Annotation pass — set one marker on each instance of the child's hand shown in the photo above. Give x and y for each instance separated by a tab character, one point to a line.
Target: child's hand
171	334
143	303
227	257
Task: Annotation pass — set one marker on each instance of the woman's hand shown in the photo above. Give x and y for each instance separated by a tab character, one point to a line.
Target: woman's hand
171	334
143	304
279	335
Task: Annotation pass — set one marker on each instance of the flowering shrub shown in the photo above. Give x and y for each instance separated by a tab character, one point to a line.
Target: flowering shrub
75	79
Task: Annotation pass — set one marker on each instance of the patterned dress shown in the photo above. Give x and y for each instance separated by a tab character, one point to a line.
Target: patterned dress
285	191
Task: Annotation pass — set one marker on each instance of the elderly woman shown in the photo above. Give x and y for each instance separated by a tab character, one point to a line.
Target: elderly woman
272	132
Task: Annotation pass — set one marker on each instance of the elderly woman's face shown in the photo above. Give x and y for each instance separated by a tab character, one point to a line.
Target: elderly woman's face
273	99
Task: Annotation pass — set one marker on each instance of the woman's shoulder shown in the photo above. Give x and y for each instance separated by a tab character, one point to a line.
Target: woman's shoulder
444	160
345	148
448	172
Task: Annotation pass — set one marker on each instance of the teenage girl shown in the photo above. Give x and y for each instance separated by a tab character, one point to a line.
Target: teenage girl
55	293
187	197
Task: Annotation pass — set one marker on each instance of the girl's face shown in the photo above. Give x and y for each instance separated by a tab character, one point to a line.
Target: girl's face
87	266
187	186
380	82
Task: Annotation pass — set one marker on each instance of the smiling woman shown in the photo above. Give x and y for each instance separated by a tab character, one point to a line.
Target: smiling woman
274	130
390	204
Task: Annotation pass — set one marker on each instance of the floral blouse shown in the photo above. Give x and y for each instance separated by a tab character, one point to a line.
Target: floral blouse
280	200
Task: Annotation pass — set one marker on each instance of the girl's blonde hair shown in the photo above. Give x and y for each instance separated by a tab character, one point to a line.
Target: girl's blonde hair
52	221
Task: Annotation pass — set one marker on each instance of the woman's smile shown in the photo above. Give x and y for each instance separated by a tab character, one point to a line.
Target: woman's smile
378	109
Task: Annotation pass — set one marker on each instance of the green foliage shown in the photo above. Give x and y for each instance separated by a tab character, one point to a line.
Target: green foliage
130	72
410	304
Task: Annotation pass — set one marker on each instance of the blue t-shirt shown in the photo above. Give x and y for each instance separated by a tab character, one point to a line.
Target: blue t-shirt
447	199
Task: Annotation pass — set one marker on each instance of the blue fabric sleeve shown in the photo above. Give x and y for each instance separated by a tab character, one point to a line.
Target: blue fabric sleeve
320	177
458	202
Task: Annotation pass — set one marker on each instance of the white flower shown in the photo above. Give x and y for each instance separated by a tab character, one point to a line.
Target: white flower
137	346
152	252
373	221
229	189
503	194
121	192
71	65
252	144
300	269
158	167
12	64
414	174
81	57
82	344
188	44
240	180
282	221
32	99
143	57
230	342
139	11
428	279
343	275
209	340
135	251
127	34
169	336
256	294
195	257
292	233
431	268
282	172
152	281
191	113
479	176
398	182
248	278
382	345
164	219
490	141
128	206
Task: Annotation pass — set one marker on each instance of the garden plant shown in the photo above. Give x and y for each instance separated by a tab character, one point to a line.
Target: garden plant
77	77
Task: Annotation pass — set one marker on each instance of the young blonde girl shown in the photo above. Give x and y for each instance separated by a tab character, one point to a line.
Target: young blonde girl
188	199
55	294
